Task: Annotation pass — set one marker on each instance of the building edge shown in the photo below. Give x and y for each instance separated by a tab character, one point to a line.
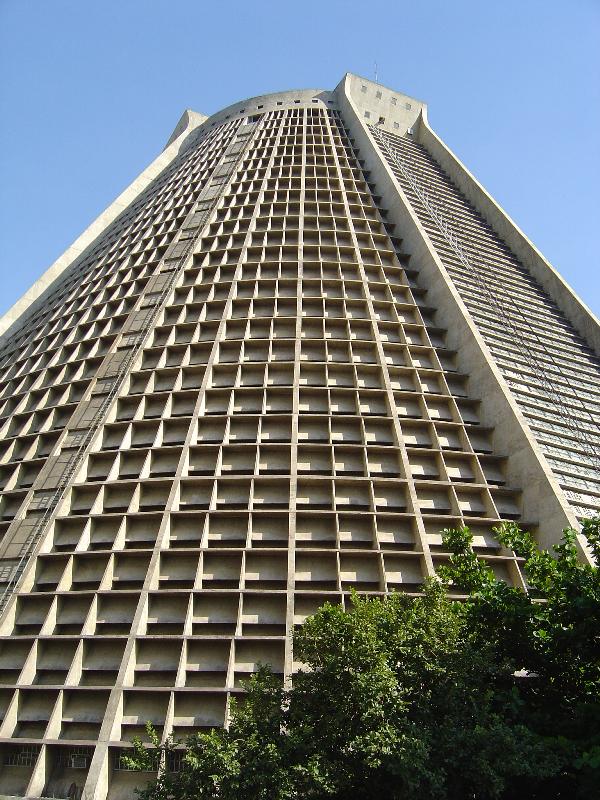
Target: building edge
576	311
188	121
182	137
34	297
543	499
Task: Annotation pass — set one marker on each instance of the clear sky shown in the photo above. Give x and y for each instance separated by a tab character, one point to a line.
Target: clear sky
90	92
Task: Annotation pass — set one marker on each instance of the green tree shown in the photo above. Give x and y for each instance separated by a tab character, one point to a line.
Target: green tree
492	694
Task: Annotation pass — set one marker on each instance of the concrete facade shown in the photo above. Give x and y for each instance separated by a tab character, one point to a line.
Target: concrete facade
258	381
537	335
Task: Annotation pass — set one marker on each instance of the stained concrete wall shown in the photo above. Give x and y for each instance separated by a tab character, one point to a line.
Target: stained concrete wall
543	499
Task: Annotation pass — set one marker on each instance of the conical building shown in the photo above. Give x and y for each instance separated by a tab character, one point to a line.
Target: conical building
303	342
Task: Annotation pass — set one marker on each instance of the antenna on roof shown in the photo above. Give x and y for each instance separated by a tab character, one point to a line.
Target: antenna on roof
375	72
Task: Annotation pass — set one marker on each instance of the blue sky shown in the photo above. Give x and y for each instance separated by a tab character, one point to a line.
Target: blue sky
91	91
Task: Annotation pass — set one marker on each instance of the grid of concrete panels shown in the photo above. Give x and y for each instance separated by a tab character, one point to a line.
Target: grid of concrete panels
48	365
560	397
295	428
51	363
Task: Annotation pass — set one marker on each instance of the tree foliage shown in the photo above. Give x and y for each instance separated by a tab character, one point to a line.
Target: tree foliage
495	694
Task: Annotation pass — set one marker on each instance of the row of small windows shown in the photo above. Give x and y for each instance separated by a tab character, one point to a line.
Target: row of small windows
260	107
394	100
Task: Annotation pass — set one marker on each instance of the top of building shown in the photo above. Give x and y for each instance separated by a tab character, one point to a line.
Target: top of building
375	103
378	104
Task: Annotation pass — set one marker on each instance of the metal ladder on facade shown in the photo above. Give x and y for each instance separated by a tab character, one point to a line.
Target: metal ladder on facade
444	228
